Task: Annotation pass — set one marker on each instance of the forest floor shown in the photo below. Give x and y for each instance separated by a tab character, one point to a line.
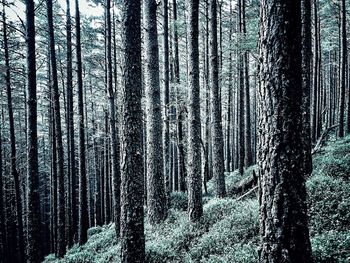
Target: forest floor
229	228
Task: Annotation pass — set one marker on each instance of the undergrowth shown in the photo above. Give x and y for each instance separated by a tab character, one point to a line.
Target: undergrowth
228	230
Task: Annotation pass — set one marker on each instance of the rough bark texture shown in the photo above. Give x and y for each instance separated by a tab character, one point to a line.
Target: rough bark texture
61	236
342	68
3	245
240	98
283	218
83	209
315	77
306	84
166	128
195	208
132	191
248	155
14	172
216	125
33	201
113	128
176	45
156	205
72	211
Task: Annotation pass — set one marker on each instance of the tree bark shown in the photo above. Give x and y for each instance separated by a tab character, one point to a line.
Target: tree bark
132	191
70	130
216	125
195	207
156	205
166	128
306	83
342	69
83	209
33	200
14	172
283	212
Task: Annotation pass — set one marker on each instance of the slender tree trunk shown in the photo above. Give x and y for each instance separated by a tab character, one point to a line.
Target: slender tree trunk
176	45
306	83
132	191
72	211
216	125
3	243
283	212
14	172
240	98
315	76
33	200
113	127
166	128
156	206
61	237
195	208
83	207
248	155
342	69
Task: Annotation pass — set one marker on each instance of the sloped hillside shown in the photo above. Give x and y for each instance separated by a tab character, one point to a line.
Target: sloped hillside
228	230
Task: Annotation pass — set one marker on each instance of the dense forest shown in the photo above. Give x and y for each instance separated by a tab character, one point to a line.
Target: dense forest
175	131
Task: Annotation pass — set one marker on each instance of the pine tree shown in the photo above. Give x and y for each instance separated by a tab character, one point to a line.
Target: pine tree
132	184
195	208
33	201
216	125
83	207
156	208
283	216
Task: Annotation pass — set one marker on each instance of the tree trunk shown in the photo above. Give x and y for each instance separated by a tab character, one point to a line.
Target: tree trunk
70	130
342	69
113	127
33	200
166	128
132	191
248	155
83	209
195	207
240	98
283	216
156	205
306	83
176	45
216	125
14	172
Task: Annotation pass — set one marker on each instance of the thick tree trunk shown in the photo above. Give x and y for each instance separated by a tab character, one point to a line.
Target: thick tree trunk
132	191
195	208
156	205
33	200
216	125
283	216
83	207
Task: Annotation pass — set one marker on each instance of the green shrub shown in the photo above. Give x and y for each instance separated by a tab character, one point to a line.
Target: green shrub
331	247
232	235
178	201
328	203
